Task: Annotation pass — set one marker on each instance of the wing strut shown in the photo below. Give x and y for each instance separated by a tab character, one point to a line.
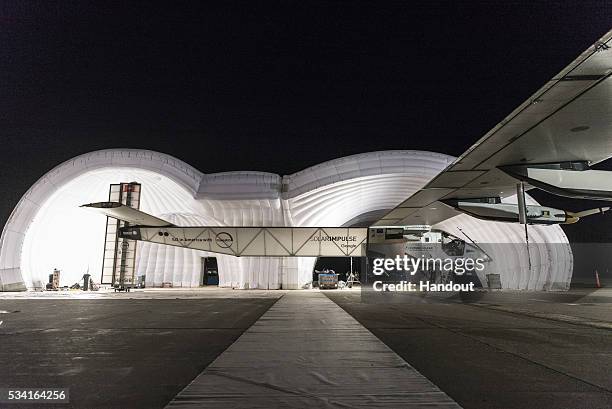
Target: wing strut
522	208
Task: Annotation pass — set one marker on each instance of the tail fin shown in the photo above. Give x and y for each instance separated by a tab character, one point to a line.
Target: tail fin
128	214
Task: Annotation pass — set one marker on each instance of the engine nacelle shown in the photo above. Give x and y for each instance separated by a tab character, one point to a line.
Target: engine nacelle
509	212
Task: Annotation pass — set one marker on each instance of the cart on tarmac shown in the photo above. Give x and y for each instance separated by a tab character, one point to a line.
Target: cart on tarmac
328	280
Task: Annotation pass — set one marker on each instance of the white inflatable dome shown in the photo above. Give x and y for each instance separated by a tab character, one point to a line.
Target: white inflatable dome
48	230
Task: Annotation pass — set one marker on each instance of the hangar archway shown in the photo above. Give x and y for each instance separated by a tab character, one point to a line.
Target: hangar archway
47	222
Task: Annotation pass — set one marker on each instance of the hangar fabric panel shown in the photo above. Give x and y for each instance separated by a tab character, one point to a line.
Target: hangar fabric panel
49	230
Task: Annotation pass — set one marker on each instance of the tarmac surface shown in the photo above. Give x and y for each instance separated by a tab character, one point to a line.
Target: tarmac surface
139	350
306	352
501	350
135	350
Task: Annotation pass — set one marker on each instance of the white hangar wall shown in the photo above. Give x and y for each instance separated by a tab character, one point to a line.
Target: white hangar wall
42	223
48	230
550	253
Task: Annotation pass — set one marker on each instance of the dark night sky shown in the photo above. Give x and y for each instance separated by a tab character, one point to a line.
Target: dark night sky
275	87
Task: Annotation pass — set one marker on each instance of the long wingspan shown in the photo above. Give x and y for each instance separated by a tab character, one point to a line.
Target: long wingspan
550	141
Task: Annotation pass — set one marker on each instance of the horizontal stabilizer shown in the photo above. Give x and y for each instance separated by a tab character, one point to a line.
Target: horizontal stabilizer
127	214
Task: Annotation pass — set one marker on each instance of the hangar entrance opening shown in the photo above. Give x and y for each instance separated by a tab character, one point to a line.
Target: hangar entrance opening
209	274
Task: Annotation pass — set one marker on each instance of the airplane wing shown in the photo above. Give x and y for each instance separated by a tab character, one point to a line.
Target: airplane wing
565	126
128	214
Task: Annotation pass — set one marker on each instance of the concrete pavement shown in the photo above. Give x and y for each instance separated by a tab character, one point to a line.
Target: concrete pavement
306	352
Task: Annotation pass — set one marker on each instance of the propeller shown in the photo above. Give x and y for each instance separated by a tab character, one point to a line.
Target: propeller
573	217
